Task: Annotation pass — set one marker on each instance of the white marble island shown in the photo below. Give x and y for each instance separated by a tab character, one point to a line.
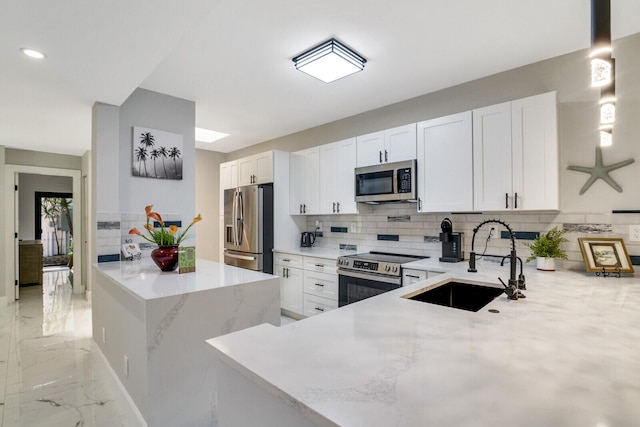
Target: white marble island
151	326
567	355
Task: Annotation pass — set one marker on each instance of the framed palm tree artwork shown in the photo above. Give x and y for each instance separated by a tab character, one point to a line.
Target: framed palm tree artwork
157	154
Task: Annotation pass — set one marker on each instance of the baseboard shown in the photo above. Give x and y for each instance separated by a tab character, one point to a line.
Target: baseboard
96	347
87	296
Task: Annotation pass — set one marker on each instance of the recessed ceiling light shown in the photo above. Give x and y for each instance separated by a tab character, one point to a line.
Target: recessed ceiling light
33	53
206	135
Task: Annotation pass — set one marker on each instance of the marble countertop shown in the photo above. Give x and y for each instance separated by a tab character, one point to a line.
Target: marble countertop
567	355
143	279
320	252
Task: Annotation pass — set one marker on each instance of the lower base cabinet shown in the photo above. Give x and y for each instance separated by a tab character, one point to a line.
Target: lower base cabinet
410	276
309	285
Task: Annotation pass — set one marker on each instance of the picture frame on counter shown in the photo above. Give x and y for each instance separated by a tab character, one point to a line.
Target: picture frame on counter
605	255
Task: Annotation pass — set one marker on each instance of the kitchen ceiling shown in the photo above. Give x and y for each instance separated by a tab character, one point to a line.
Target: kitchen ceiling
233	58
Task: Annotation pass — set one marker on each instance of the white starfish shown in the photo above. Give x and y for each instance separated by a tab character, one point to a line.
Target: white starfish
600	171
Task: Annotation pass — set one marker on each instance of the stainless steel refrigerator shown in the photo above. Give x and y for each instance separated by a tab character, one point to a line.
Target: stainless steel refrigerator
248	227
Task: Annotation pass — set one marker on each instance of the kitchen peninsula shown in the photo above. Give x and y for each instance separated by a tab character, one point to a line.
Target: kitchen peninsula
151	326
566	355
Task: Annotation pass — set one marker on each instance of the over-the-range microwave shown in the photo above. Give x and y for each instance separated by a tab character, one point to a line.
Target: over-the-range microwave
387	182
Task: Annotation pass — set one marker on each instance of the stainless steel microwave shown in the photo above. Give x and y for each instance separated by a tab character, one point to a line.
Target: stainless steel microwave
387	182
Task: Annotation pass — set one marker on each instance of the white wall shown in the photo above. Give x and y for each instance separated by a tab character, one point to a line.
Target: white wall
208	203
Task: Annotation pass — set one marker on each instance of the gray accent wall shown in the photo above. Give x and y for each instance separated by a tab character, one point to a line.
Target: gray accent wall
578	117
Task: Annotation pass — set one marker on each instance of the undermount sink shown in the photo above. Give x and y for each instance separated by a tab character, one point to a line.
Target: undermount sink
461	295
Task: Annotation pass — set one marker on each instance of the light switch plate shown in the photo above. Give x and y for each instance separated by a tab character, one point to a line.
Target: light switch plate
634	233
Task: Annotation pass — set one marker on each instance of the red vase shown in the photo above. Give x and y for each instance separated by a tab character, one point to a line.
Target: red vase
165	257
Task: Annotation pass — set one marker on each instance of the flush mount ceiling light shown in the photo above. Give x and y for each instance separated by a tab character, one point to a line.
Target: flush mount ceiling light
32	53
209	136
329	61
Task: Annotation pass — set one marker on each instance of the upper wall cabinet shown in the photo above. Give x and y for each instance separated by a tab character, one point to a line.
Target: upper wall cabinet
515	155
228	175
257	169
391	145
337	187
445	171
304	182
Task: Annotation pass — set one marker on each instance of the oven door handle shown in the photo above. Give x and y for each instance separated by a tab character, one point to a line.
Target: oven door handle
372	277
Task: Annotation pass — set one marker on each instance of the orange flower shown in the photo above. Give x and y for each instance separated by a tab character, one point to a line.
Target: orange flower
196	219
173	229
147	209
135	231
149	227
156	216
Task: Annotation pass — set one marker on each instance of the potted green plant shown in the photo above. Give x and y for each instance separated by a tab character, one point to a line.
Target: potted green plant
546	248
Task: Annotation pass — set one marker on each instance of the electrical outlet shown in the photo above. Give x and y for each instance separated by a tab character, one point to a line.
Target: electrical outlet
634	233
126	365
104	336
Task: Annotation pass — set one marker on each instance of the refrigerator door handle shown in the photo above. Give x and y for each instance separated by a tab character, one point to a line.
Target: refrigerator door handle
234	215
244	257
240	217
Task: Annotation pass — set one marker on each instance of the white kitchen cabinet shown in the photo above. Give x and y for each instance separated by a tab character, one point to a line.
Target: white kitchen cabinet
337	188
314	305
515	155
304	182
391	145
289	268
445	159
411	276
320	286
534	138
228	175
257	169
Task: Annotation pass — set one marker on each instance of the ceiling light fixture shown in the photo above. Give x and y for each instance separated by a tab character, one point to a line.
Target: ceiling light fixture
329	61
209	136
33	53
603	67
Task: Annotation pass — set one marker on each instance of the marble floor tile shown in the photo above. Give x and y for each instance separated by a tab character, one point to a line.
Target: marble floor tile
51	374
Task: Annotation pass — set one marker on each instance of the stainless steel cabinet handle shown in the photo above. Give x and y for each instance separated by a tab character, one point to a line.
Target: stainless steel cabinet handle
506	200
338	207
386	156
319	309
419	204
515	203
412	276
320	265
320	284
286	259
304	208
334	207
380	156
301	208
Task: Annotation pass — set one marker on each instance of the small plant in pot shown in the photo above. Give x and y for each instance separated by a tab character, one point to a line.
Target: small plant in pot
546	248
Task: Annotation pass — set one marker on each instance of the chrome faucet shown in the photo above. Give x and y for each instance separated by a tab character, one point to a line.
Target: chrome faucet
512	288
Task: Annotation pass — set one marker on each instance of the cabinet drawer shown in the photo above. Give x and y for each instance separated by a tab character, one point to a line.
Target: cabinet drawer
288	260
321	265
321	284
317	305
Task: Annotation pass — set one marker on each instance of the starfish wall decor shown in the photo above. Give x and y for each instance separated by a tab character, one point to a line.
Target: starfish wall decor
600	171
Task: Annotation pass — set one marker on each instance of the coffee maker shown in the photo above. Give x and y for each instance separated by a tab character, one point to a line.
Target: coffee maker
452	243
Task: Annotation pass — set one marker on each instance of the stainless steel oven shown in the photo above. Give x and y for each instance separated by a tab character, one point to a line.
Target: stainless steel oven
362	276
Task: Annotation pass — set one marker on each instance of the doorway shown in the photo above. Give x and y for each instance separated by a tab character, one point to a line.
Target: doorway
11	274
54	226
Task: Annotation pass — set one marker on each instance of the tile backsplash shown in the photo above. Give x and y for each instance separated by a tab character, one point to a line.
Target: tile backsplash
113	232
418	233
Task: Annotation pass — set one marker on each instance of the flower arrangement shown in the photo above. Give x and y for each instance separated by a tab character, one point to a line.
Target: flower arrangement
163	236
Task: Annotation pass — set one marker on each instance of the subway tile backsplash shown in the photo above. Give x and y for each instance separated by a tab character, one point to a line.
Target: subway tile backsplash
417	233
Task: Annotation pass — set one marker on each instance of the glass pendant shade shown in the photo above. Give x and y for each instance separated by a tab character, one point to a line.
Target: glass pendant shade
607	112
329	61
600	72
606	138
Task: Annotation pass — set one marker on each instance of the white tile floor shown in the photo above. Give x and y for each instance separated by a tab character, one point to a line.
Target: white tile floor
51	373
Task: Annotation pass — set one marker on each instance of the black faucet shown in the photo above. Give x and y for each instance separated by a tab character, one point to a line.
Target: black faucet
512	288
521	279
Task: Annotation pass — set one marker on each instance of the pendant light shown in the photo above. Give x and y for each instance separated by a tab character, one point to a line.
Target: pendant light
603	67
